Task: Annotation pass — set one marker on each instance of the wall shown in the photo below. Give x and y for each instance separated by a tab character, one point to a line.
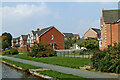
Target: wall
58	38
110	34
90	33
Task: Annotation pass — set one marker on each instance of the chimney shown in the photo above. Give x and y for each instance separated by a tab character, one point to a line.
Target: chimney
38	29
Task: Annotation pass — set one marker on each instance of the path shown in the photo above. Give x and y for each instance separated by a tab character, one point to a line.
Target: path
66	70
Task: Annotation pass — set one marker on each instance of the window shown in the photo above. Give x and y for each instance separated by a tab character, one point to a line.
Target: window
52	37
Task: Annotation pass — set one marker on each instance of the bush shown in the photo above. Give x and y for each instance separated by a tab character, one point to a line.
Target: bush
108	60
50	52
10	52
41	50
13	51
7	52
89	44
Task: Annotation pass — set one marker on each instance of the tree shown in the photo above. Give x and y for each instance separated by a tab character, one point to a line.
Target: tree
5	45
74	40
89	44
68	43
8	37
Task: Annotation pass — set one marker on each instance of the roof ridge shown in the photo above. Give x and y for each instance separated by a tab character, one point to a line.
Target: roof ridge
112	10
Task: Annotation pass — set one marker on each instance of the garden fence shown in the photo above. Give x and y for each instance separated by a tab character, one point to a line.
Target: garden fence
74	53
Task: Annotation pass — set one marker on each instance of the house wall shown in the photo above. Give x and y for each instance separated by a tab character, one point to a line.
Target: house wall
23	42
110	34
90	33
58	38
13	44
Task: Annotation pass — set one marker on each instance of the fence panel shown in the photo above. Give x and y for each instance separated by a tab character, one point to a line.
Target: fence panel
74	53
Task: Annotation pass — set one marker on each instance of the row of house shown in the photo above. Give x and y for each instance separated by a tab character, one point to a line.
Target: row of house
49	35
108	33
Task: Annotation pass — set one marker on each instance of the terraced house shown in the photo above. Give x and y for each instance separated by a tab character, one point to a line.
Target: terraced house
49	35
110	28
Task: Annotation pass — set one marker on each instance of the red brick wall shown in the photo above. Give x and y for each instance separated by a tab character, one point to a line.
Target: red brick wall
112	34
58	38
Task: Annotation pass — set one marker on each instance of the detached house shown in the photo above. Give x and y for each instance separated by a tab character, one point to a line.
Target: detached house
110	28
50	36
92	34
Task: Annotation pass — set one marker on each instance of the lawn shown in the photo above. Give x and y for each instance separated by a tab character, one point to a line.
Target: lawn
61	61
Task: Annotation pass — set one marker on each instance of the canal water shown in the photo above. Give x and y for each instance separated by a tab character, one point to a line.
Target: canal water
9	72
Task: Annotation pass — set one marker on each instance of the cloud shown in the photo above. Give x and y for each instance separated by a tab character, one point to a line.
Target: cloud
23	17
23	11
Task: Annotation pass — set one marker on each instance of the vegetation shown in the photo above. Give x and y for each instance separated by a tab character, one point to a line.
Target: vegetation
10	52
6	40
61	76
5	45
89	44
22	65
107	60
68	43
41	50
61	61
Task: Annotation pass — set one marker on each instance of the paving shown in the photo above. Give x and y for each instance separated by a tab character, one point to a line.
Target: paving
66	70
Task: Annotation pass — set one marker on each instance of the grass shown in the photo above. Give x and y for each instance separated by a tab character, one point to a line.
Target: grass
61	61
60	76
22	65
50	73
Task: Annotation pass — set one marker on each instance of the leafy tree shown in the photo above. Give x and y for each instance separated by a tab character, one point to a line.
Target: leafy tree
89	44
8	37
74	40
5	45
68	43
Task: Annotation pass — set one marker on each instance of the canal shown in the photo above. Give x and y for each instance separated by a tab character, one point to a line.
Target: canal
9	72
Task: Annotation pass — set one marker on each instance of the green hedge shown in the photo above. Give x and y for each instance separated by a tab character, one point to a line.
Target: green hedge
107	60
10	52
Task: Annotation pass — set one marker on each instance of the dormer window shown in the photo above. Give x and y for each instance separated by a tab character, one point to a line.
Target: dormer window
52	37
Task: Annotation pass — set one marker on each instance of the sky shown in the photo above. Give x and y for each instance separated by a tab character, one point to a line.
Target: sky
20	18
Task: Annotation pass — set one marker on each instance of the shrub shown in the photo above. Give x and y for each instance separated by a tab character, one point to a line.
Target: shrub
50	52
13	51
7	52
89	44
108	60
41	50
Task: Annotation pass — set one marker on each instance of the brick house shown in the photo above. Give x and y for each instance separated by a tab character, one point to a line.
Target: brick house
92	34
110	28
49	35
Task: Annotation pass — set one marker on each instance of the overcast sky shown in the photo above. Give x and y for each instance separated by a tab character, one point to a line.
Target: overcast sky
76	17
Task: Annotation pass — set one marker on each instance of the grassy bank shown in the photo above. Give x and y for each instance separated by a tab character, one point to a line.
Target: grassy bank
61	61
50	73
62	76
22	65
